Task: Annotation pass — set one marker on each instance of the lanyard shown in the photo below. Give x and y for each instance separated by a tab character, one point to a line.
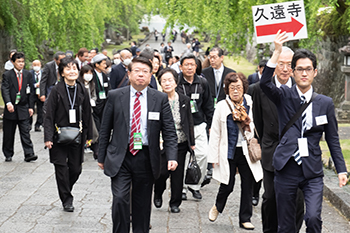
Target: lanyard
195	92
20	82
75	94
98	82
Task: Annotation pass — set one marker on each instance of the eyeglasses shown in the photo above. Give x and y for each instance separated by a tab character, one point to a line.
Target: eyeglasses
238	88
213	57
189	64
281	65
137	71
300	70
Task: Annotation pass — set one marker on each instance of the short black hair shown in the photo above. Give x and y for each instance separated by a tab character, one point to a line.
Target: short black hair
57	54
262	63
188	56
65	62
220	51
17	55
12	51
142	60
167	70
304	53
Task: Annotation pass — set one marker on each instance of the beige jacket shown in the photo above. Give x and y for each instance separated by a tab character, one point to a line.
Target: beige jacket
218	143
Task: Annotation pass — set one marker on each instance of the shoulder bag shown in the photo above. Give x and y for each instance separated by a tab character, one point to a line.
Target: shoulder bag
254	148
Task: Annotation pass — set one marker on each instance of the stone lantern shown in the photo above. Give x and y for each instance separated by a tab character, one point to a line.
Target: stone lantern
343	114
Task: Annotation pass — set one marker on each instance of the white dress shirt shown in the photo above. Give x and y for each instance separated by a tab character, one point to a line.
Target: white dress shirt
144	110
218	74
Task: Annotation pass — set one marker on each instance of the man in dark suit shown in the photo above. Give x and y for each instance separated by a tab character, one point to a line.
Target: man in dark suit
216	73
297	158
266	124
254	78
133	48
50	75
136	114
36	77
17	92
118	76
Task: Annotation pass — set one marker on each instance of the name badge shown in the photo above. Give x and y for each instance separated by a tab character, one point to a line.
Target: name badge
195	96
194	107
153	116
215	102
137	141
28	90
105	84
37	91
321	120
72	116
102	95
303	147
93	103
18	98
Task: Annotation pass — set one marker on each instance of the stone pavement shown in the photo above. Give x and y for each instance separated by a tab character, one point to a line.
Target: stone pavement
29	202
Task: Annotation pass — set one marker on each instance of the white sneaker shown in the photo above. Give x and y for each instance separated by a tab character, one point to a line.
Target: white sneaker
213	213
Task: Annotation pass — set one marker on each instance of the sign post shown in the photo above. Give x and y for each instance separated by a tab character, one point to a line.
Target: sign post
286	16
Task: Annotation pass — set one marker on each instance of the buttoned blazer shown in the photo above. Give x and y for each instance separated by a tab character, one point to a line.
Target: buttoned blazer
116	117
48	78
266	123
9	90
287	101
210	76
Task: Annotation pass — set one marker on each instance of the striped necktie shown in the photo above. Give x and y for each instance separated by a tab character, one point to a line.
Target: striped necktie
296	154
135	125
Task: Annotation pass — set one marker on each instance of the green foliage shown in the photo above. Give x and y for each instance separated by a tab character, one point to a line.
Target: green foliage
64	24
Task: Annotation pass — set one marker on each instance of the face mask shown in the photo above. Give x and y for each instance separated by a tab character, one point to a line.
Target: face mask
117	61
127	61
87	77
36	68
108	70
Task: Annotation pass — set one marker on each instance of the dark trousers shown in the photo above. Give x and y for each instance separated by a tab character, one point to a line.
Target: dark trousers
269	208
176	177
287	182
239	161
39	113
68	174
9	129
135	173
256	188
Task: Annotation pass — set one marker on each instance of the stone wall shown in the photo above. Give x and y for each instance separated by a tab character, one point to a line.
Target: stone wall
330	80
6	44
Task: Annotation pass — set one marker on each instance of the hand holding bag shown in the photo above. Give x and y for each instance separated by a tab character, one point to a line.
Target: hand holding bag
254	148
193	173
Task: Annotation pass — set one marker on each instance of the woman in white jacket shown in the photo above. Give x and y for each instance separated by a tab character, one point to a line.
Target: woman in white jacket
228	149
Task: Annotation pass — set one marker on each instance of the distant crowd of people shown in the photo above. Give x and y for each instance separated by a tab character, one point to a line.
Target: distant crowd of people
143	112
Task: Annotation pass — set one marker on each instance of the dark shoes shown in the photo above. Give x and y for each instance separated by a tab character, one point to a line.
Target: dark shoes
157	201
184	197
255	201
68	208
31	157
37	129
195	193
8	159
174	209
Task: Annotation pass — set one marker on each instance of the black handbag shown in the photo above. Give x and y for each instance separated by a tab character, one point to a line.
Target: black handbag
69	135
193	173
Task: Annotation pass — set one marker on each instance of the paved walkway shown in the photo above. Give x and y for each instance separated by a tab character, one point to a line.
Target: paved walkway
29	202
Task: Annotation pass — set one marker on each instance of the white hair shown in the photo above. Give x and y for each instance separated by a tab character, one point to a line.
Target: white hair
286	49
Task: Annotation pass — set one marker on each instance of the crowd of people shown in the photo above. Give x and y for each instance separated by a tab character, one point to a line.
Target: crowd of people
144	112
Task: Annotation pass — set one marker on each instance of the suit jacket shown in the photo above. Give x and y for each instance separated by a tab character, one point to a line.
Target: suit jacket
117	74
186	119
9	90
57	112
105	86
210	76
253	78
133	50
266	123
287	101
32	72
116	116
48	78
